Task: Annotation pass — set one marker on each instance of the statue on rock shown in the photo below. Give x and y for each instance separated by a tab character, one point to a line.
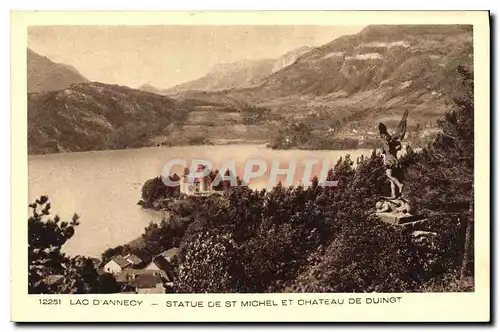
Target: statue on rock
391	144
395	209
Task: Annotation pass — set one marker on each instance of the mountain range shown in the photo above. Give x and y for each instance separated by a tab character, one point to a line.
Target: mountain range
378	72
357	80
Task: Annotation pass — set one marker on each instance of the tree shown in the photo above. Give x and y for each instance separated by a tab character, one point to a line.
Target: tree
80	277
155	189
441	181
46	236
107	284
457	138
207	266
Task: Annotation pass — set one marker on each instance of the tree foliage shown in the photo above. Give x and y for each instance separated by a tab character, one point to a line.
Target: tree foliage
51	271
154	190
207	265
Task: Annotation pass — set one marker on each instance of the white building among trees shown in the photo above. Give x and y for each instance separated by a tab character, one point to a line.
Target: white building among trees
191	184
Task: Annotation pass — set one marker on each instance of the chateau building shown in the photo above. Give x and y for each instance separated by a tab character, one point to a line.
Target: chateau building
190	184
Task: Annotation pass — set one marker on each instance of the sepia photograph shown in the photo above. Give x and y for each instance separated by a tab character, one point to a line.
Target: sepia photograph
240	158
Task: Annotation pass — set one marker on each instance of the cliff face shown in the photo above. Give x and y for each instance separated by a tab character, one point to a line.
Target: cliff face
45	75
241	74
228	76
288	58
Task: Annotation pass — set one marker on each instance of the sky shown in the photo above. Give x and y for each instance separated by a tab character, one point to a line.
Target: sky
164	56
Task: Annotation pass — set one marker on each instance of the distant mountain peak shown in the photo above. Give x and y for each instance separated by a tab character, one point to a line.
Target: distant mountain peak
45	75
240	74
289	57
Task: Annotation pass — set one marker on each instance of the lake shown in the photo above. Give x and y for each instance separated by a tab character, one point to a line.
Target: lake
103	187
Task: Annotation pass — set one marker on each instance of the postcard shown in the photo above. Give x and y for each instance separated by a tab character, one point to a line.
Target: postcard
269	166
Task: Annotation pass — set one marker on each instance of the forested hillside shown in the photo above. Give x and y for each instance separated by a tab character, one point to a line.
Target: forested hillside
96	116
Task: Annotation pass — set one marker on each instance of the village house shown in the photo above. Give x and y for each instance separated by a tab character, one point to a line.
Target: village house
129	274
133	259
164	263
156	277
160	266
141	281
148	284
213	183
194	186
153	278
118	263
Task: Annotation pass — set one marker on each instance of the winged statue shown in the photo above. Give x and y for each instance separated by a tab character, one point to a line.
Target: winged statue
391	144
400	132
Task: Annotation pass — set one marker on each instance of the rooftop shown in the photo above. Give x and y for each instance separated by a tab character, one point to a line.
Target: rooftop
129	273
146	281
122	262
133	259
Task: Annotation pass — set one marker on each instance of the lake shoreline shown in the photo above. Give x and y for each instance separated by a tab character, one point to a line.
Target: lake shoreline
264	145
